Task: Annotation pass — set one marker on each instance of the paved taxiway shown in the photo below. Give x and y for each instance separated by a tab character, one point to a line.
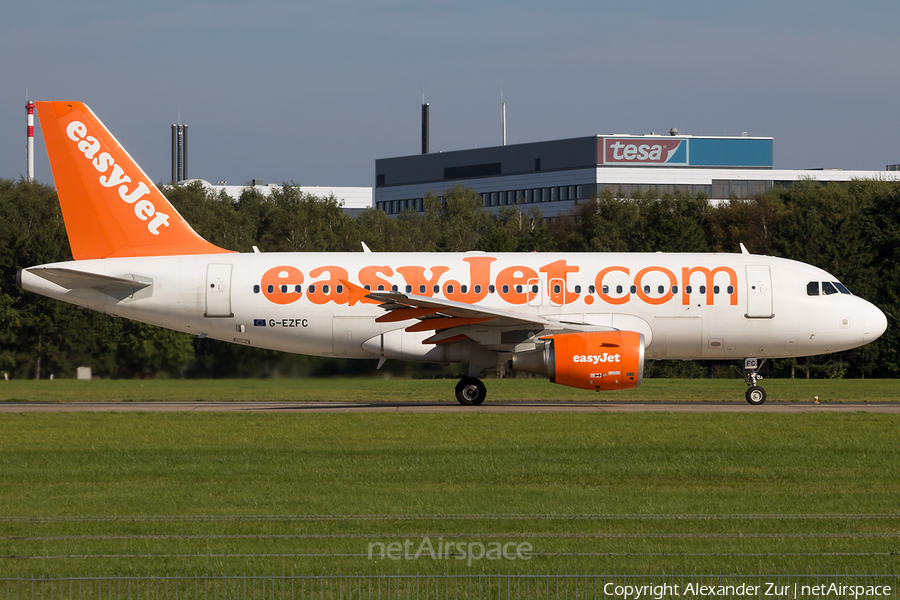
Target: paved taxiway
447	407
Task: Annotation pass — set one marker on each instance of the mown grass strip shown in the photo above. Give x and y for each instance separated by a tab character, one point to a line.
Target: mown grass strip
439	390
679	491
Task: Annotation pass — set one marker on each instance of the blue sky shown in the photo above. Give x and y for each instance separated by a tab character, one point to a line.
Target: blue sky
313	92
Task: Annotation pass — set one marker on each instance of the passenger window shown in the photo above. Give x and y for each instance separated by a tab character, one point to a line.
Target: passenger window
436	289
577	289
556	289
518	289
312	289
618	289
298	289
284	289
339	288
422	289
715	289
591	289
702	289
463	288
812	288
393	288
828	289
730	289
688	289
491	288
646	289
449	289
661	289
534	289
634	289
505	289
255	289
409	289
477	288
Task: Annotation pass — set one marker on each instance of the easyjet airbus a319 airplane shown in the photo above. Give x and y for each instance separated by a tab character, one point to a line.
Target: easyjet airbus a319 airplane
583	320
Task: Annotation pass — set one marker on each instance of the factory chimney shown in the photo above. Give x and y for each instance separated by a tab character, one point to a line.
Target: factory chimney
29	141
425	128
179	153
503	117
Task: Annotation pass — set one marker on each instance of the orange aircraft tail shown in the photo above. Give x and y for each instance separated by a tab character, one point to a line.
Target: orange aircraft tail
110	206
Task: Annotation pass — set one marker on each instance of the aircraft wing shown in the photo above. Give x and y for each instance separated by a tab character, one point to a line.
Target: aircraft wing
451	320
434	314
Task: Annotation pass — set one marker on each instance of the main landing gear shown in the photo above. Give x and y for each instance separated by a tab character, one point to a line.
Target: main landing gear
470	391
755	394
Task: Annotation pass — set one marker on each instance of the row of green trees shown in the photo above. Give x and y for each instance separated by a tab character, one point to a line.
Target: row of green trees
852	230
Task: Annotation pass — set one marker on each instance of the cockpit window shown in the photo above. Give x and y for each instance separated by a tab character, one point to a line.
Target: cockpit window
812	288
828	288
841	288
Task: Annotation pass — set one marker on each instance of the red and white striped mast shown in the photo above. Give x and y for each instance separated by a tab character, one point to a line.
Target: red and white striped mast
29	108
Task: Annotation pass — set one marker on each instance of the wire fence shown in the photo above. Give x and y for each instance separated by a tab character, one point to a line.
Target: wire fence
446	587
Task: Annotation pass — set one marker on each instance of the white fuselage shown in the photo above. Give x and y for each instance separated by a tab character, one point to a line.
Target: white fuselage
688	306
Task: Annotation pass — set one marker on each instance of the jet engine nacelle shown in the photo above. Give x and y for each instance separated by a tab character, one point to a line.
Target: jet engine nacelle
595	360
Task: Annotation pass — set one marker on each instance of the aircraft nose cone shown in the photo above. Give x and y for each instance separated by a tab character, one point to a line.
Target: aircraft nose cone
875	324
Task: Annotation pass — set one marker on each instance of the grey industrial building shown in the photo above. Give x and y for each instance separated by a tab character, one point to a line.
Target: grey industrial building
555	175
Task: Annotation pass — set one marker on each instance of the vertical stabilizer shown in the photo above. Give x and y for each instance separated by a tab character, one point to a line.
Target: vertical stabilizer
110	206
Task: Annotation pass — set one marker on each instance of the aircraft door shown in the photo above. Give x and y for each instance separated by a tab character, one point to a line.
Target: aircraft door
759	292
557	292
535	290
218	291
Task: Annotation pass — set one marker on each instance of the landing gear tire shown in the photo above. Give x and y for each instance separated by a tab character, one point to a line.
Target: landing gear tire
470	391
756	395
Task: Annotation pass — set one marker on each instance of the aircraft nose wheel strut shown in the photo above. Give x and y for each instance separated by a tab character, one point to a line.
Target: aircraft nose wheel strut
755	394
470	391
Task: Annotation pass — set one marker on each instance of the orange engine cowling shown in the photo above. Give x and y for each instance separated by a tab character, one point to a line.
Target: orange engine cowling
595	360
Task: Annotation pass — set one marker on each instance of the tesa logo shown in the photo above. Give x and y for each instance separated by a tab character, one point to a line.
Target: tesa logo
644	151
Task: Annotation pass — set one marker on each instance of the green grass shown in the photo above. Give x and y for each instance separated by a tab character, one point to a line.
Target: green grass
440	390
292	492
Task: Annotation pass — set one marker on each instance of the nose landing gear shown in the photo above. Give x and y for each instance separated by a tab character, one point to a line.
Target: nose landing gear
755	394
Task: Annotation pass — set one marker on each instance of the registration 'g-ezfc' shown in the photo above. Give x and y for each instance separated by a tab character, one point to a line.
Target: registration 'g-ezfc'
583	320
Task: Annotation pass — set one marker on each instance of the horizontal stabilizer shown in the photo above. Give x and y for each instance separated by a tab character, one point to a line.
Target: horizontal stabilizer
73	280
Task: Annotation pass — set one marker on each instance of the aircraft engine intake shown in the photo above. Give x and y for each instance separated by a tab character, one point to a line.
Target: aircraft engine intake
595	360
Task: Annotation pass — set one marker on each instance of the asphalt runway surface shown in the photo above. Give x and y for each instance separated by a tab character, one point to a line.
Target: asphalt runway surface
447	407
